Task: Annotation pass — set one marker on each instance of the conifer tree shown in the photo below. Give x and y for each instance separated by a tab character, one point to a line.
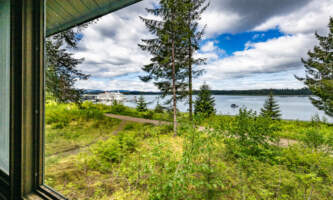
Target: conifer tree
192	14
61	66
158	108
271	108
141	105
204	103
319	72
167	63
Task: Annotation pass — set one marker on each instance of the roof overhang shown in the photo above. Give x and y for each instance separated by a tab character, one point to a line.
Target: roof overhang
65	14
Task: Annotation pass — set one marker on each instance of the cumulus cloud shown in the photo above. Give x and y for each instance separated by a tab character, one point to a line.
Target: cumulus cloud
209	46
124	84
110	46
114	60
230	16
275	55
307	19
210	51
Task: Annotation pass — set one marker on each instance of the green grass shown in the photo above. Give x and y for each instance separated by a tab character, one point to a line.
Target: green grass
69	127
288	129
147	162
132	112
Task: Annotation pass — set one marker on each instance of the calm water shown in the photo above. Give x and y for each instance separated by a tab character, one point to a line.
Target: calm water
292	107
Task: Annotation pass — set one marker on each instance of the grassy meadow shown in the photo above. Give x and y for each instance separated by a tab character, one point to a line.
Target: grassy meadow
91	156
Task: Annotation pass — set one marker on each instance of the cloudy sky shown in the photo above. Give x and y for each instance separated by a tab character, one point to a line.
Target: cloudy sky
249	44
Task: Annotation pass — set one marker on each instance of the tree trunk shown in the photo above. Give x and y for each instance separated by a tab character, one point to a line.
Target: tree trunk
190	103
174	89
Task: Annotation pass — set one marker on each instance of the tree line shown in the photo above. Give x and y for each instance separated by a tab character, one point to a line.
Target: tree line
303	91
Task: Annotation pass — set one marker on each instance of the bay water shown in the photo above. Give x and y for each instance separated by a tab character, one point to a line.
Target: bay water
291	107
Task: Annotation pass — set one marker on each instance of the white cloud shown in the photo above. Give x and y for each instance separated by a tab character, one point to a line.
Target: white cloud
219	22
110	46
308	19
112	55
134	84
210	51
275	55
232	16
209	46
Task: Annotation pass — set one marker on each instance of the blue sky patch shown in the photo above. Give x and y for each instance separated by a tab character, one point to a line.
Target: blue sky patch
231	43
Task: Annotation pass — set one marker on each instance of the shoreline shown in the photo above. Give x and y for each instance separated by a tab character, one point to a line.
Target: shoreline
228	115
255	95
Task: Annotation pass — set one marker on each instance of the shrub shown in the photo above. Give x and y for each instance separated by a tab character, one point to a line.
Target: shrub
313	138
148	115
159	108
118	109
112	150
250	134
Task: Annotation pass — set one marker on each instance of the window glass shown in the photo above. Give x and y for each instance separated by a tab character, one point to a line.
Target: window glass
4	84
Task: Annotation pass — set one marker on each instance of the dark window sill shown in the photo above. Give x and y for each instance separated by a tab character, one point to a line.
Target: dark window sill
44	192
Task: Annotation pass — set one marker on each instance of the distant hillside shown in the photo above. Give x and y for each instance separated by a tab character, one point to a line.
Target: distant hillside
303	91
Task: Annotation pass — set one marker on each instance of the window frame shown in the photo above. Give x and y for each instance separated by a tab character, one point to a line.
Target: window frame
26	162
26	145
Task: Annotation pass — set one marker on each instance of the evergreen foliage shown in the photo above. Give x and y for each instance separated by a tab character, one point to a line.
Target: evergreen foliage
167	63
141	105
271	108
192	14
61	67
205	103
158	108
319	72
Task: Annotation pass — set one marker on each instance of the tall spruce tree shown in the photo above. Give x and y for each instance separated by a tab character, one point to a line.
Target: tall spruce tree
61	66
192	14
319	72
167	67
271	108
205	102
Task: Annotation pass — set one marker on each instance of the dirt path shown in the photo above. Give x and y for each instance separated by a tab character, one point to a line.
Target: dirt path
286	142
138	120
283	141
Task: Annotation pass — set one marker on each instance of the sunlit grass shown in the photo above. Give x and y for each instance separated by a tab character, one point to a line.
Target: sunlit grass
143	161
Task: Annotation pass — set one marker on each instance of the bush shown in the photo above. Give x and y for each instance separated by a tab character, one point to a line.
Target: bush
159	108
118	109
250	134
112	150
148	115
313	138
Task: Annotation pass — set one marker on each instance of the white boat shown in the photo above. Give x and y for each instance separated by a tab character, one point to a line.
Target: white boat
110	97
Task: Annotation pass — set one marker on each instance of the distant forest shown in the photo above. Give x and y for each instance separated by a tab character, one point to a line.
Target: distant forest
303	91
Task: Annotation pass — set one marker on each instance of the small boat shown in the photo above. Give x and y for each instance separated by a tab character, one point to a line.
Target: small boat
111	97
234	106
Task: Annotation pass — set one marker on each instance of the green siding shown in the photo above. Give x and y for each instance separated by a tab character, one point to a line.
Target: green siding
4	83
64	14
